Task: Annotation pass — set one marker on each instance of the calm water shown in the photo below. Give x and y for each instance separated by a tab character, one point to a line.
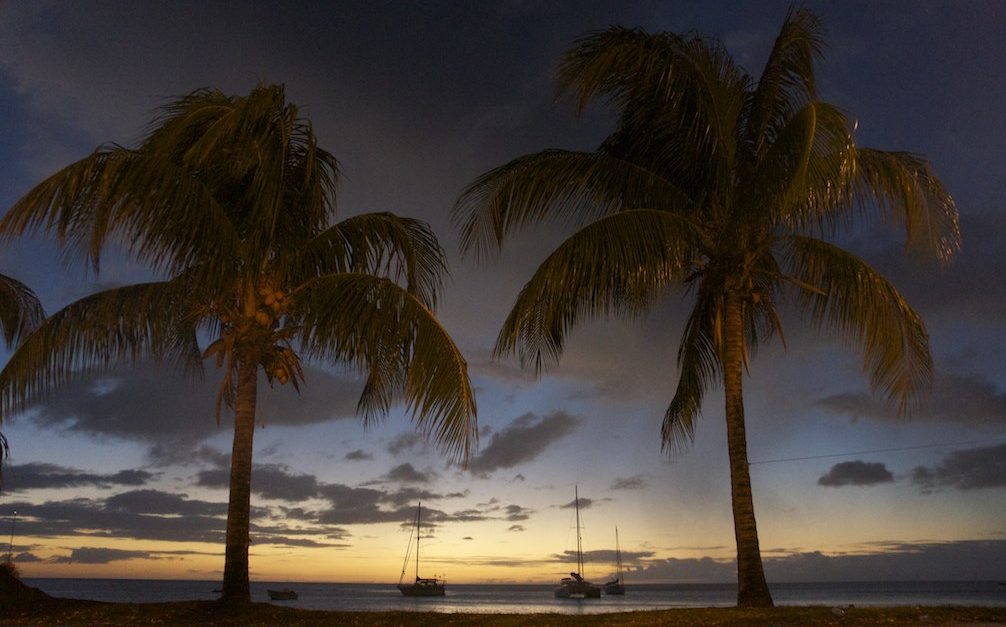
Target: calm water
537	598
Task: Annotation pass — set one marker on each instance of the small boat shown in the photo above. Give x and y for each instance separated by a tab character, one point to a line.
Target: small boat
286	594
422	586
617	585
575	586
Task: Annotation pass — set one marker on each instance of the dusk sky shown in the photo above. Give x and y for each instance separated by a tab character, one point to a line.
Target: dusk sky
125	475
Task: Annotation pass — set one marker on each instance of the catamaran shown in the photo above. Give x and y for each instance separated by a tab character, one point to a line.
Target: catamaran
423	586
575	586
616	585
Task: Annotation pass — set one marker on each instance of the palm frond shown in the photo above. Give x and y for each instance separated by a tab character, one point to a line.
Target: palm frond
614	265
906	189
383	329
805	169
698	369
121	325
163	214
379	243
573	187
665	85
787	82
852	298
20	309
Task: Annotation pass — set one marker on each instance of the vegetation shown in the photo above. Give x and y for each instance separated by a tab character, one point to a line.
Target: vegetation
728	187
20	312
230	199
71	612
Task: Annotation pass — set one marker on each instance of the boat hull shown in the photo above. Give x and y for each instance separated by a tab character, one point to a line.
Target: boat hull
569	589
614	589
423	588
282	595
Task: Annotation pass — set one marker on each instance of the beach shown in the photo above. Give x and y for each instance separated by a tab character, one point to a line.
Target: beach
75	612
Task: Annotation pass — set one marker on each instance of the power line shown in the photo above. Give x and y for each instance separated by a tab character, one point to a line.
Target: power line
877	450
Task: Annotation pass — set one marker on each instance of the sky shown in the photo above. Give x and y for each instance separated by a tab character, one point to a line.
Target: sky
125	474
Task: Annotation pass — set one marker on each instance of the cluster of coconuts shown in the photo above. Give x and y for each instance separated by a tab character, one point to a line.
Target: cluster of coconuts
282	366
275	302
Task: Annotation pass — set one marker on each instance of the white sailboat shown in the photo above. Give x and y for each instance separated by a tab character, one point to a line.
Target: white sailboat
617	585
422	586
575	586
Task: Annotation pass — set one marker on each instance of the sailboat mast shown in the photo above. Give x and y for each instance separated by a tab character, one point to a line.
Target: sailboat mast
419	513
579	547
618	555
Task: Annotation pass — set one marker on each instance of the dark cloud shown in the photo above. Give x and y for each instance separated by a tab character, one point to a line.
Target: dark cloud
635	482
858	473
271	481
516	512
358	455
91	555
522	441
605	556
585	503
408	442
515	528
90	517
165	407
962	399
22	477
406	473
970	469
467	538
158	502
26	557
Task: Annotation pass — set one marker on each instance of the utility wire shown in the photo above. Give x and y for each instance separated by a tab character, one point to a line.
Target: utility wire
877	450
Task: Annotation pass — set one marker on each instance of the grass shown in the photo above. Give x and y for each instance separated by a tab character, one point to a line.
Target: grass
73	612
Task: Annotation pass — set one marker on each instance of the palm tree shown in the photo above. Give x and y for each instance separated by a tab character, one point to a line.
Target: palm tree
230	199
726	186
20	312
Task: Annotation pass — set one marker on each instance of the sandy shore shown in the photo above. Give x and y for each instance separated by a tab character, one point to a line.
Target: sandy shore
73	612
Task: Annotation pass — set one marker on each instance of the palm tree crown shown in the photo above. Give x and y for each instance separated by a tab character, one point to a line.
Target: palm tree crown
728	186
231	198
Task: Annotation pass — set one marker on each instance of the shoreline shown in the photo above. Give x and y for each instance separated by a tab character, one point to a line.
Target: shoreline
80	612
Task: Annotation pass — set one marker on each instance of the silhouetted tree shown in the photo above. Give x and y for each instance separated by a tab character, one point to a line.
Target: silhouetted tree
724	185
231	197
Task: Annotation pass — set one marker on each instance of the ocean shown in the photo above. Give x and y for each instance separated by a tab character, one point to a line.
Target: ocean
497	598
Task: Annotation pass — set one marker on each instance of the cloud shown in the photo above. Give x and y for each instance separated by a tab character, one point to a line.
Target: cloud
410	441
467	538
515	528
26	557
516	512
635	482
522	441
406	473
158	502
271	481
91	555
970	469
858	473
961	399
585	503
358	455
163	406
36	475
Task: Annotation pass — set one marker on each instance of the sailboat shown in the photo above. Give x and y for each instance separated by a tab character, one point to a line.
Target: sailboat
616	585
575	586
422	587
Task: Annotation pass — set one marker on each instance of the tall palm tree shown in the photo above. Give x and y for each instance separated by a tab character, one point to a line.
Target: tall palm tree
727	186
20	312
230	198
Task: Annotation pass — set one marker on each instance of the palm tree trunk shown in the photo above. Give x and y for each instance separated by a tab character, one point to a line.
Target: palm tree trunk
752	590
235	587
